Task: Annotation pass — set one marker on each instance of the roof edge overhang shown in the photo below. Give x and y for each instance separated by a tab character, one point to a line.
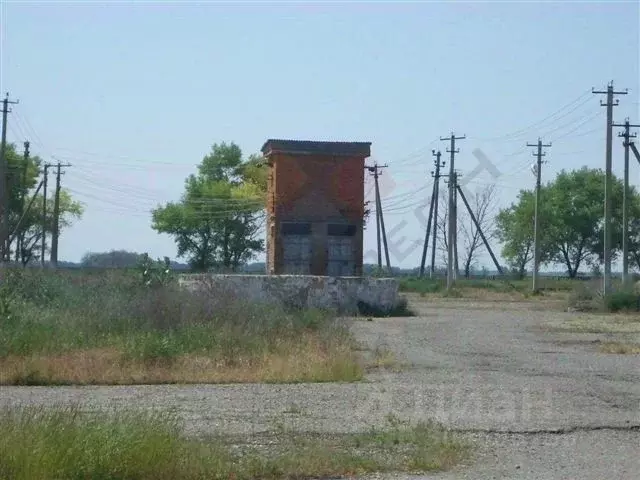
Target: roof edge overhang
309	147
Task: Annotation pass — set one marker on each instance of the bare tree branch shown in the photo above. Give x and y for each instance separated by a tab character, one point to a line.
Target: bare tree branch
483	206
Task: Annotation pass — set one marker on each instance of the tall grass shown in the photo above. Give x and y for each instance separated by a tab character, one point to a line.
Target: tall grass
64	443
108	327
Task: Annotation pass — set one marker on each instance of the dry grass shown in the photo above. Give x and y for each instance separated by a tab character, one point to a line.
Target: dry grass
596	323
620	348
385	359
306	361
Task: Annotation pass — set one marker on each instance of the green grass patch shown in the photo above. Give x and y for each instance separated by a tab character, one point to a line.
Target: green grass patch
63	443
72	327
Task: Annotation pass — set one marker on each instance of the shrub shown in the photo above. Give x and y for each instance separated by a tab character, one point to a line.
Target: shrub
623	300
584	297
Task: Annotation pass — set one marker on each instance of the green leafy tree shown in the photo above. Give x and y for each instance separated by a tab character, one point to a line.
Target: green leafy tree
216	222
26	235
514	229
576	229
112	259
571	222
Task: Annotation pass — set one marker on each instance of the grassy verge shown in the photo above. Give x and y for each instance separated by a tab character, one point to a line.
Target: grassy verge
467	288
110	328
39	444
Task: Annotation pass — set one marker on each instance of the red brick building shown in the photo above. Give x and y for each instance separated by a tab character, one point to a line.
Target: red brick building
315	207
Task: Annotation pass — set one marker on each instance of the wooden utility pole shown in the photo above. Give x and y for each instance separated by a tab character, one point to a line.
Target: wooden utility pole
375	171
536	223
627	135
4	184
452	254
608	185
44	214
432	220
56	217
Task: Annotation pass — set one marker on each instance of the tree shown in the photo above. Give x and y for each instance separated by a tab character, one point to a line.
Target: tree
482	205
575	231
217	220
571	213
26	235
112	259
514	229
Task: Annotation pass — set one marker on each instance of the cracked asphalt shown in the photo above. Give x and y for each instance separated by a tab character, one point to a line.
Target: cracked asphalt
537	404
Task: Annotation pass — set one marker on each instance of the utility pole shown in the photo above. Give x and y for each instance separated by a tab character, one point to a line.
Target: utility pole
44	213
4	184
627	135
610	92
452	239
23	197
452	181
56	217
375	171
536	224
432	220
436	186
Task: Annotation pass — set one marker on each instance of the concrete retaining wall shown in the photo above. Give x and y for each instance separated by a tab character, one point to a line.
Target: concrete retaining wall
343	294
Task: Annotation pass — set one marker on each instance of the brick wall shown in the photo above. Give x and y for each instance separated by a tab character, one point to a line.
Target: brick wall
319	189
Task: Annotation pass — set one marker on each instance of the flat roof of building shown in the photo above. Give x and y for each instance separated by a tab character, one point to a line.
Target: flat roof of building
309	147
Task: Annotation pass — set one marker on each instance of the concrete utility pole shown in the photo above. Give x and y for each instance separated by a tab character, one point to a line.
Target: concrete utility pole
375	171
536	224
452	181
433	214
610	92
452	239
56	217
436	186
44	213
627	135
4	184
23	197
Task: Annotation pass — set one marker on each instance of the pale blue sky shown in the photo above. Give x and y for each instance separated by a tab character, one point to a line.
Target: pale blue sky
133	95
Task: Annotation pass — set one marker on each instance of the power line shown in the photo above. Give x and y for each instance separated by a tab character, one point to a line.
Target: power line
522	131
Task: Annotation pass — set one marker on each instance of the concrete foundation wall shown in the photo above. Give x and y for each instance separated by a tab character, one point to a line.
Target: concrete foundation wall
338	293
